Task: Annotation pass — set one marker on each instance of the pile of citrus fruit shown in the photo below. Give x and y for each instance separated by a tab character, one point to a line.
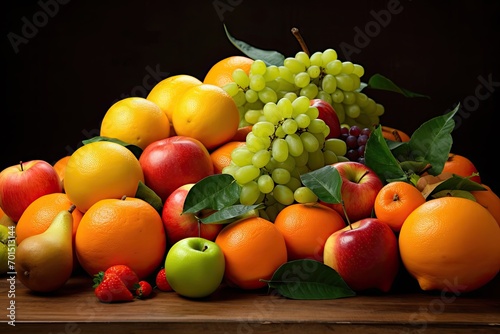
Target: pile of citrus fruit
444	243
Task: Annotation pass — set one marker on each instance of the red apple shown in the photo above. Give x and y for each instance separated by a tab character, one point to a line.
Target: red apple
172	162
328	114
360	186
22	184
179	226
365	254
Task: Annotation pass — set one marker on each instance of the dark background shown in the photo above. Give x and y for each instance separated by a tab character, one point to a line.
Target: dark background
85	55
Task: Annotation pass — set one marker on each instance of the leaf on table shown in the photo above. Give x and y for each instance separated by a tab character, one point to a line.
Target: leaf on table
212	192
148	195
325	183
268	56
136	150
378	81
309	279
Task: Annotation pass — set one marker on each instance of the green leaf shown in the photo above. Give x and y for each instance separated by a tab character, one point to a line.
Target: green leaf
378	81
148	195
325	183
133	148
309	279
457	182
212	192
268	56
455	193
380	159
432	142
231	213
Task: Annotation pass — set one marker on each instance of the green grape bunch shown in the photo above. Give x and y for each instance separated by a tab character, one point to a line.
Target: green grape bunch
286	140
321	75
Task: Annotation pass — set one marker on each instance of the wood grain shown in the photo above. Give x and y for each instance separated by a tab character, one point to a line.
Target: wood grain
75	309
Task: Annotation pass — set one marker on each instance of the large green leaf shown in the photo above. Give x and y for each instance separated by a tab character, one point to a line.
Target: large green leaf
378	81
380	159
432	141
325	182
212	192
309	279
268	56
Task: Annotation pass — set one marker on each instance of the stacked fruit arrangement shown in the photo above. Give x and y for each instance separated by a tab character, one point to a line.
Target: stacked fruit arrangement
232	180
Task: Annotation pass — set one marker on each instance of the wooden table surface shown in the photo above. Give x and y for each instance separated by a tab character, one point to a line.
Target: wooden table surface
75	309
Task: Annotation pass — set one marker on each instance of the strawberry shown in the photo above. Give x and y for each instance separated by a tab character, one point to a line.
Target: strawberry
126	274
112	289
143	289
161	281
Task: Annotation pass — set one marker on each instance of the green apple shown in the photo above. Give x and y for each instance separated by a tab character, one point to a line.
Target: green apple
195	267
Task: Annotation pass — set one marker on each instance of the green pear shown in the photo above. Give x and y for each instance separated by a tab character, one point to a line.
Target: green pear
44	262
7	245
7	221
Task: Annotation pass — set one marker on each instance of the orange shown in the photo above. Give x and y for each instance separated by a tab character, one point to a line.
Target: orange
39	215
207	113
167	92
393	134
450	244
253	248
395	201
221	157
121	231
101	170
462	166
241	134
136	121
60	167
221	73
306	227
489	200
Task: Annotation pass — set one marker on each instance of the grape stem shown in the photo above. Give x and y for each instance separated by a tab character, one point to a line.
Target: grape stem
298	36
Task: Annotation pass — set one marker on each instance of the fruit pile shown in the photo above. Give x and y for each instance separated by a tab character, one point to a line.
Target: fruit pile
239	178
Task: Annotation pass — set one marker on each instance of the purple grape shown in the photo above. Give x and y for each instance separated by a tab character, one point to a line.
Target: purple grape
366	131
354	130
362	139
361	150
351	141
352	154
361	160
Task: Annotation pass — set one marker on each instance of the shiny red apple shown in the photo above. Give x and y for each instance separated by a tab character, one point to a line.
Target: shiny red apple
365	254
178	225
23	183
328	114
360	186
172	162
